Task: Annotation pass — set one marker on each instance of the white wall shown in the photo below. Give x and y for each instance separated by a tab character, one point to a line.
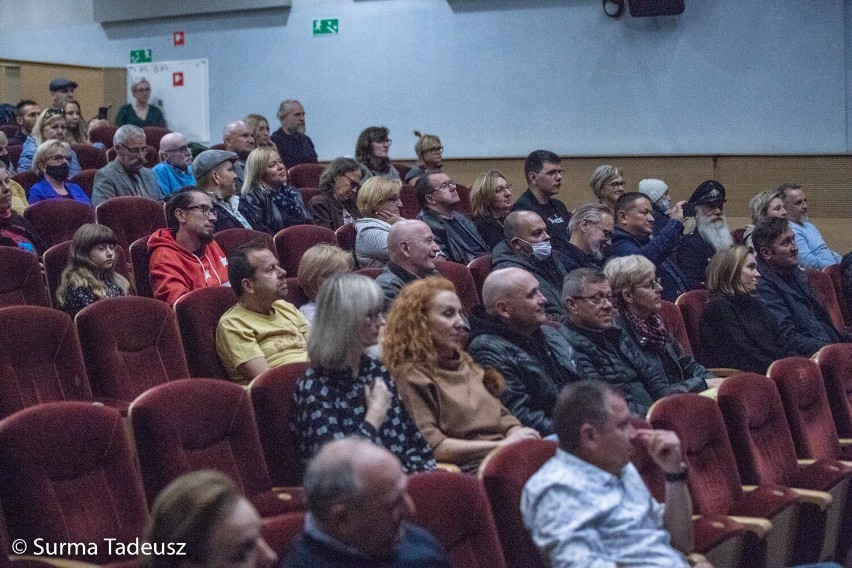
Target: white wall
501	77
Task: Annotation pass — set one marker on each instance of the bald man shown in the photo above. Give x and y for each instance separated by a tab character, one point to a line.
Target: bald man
238	138
510	335
412	251
175	168
527	246
358	507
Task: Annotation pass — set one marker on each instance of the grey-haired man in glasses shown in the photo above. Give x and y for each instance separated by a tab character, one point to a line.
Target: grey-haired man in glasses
127	174
175	168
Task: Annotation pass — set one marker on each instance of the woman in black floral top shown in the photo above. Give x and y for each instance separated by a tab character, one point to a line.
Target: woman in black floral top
90	274
347	392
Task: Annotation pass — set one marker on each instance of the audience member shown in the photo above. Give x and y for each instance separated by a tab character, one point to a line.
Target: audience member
442	387
50	125
607	184
15	231
544	178
634	226
268	202
412	251
527	245
293	145
206	517
335	205
259	127
140	112
456	234
509	336
602	350
184	257
737	330
491	199
813	251
26	114
379	202
636	290
61	91
765	204
591	228
803	320
90	274
347	392
238	138
51	163
215	172
711	233
588	506
371	151
76	128
126	174
428	149
358	510
5	157
175	168
320	262
261	330
657	192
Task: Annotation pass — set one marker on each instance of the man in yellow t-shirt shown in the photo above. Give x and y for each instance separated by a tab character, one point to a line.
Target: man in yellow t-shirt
261	331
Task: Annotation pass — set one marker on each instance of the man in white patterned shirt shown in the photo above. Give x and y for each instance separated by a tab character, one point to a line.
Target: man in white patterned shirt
588	507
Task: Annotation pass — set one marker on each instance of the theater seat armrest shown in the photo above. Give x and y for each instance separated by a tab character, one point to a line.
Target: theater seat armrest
724	371
710	393
845	441
695	558
804	462
760	527
451	467
821	499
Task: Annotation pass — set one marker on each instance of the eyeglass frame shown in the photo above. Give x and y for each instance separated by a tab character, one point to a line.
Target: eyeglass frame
184	148
597	299
142	150
655	283
201	207
606	232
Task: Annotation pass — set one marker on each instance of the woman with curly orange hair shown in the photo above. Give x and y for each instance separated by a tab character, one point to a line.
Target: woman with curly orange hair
440	384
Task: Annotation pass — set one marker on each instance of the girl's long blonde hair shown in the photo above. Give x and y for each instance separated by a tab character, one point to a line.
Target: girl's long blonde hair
80	272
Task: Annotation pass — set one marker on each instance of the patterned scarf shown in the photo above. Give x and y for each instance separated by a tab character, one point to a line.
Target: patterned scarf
286	198
651	330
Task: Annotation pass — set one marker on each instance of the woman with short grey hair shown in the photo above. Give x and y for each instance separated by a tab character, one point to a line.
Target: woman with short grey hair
346	391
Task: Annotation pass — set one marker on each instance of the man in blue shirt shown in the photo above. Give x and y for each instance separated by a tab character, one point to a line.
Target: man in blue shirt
813	250
175	168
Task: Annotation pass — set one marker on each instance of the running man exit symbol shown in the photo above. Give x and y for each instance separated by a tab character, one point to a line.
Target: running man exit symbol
326	27
177	79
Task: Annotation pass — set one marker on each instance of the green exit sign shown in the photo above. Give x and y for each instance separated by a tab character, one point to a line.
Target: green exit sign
140	56
326	27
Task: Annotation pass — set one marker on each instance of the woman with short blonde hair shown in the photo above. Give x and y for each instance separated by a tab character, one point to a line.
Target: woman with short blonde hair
636	292
380	203
319	263
269	203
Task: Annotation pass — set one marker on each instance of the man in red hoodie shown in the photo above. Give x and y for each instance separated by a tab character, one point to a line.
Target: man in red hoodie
185	257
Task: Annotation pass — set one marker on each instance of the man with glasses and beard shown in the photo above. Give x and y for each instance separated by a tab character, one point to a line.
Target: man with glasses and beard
184	257
591	229
127	174
711	234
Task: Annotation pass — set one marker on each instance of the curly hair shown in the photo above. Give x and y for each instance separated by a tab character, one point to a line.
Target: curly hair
408	337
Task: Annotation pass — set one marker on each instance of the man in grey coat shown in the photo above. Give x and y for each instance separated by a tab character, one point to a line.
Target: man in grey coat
510	335
126	174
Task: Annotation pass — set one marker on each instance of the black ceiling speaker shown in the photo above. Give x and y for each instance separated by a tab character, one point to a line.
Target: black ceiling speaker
644	8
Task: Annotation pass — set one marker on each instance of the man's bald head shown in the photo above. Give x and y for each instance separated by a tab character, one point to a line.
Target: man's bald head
412	246
517	224
500	285
174	150
513	296
238	138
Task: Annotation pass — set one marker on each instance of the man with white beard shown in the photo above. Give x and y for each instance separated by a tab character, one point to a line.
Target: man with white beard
711	234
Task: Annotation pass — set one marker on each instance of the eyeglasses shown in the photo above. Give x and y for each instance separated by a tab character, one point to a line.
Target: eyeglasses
59	158
143	150
353	184
205	209
141	89
375	316
179	149
616	184
597	299
652	285
383	142
435	149
606	232
449	184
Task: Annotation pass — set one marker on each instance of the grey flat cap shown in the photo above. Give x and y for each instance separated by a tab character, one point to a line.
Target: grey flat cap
208	160
61	83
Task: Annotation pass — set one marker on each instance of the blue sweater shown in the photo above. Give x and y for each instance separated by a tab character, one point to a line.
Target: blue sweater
42	190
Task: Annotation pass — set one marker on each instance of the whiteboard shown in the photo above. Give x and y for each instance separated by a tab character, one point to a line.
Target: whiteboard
181	90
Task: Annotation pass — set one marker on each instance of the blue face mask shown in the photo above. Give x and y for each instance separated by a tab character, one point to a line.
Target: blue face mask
540	250
665	203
